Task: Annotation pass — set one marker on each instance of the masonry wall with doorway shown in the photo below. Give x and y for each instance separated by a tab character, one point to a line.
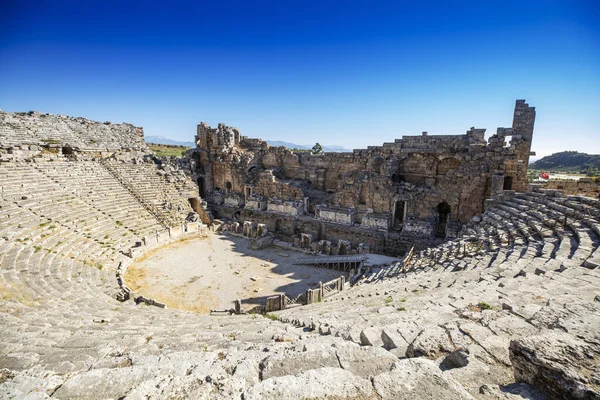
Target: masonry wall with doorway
417	188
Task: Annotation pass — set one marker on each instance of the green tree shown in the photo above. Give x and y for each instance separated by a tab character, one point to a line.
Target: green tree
317	149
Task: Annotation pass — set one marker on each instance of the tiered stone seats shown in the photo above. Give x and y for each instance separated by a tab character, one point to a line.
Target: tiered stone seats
439	326
33	128
146	179
482	298
64	226
95	186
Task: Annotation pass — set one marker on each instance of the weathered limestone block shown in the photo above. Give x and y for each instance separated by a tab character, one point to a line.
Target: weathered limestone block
341	216
394	342
261	242
286	207
431	341
371	337
418	378
314	384
376	221
558	364
365	361
281	364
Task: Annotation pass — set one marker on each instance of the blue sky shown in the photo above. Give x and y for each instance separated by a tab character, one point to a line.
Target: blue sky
346	73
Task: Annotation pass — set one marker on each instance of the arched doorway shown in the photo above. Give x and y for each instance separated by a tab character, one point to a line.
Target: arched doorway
201	186
278	225
443	210
228	186
398	178
507	183
398	216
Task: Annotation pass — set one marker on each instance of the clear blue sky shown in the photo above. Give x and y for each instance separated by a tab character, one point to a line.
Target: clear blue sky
346	73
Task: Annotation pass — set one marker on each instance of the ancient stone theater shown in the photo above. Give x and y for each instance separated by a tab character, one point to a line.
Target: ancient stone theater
426	268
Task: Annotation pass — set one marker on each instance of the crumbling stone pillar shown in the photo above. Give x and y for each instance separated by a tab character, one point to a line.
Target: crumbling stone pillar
324	247
305	240
261	230
344	247
247	229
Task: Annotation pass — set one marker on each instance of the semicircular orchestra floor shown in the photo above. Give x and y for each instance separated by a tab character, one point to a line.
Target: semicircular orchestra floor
211	273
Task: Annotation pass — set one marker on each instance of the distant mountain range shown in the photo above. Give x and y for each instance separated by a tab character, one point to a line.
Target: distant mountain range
165	140
568	161
328	148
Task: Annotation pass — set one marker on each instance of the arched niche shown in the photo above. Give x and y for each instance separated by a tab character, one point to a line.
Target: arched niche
447	165
375	164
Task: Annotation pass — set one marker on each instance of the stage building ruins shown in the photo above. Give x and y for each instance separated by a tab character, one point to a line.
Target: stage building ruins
418	190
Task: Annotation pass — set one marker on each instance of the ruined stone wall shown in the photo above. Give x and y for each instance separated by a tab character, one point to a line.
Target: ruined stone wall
420	186
268	185
520	145
33	132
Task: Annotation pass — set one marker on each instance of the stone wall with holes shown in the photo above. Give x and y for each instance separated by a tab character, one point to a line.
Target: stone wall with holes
429	173
255	204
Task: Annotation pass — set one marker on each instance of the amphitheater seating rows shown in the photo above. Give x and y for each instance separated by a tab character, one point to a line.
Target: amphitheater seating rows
56	130
145	178
519	270
64	227
536	272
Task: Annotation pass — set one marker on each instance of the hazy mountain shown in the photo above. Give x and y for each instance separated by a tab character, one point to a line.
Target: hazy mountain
568	161
165	140
289	145
328	148
335	149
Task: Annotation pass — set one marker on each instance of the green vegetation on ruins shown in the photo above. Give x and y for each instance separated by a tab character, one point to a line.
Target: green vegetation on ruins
168	150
